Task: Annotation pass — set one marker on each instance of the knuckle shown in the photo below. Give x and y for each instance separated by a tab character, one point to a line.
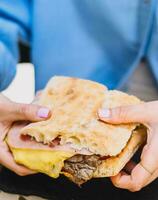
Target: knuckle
21	173
24	110
116	184
121	113
136	187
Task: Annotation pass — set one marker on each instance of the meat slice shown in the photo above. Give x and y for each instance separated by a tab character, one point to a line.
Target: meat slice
17	140
55	142
82	167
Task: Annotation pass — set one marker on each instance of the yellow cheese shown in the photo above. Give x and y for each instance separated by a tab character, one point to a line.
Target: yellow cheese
44	161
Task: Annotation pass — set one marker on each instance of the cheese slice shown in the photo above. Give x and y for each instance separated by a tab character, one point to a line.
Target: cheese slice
44	161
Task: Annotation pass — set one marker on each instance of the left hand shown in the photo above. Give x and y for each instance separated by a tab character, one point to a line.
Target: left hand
146	170
11	112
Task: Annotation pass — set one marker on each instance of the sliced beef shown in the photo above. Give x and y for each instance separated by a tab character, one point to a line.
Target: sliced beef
82	167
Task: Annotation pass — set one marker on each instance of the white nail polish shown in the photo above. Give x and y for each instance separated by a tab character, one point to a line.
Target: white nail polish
104	113
43	112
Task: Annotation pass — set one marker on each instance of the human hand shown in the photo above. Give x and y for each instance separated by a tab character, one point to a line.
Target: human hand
146	170
9	113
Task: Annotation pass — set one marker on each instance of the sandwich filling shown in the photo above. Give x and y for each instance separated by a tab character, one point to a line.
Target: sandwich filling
54	159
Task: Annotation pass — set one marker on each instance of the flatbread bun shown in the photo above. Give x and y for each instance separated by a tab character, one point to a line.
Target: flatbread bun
74	104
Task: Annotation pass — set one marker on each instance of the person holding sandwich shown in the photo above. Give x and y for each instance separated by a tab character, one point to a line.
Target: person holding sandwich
141	174
80	39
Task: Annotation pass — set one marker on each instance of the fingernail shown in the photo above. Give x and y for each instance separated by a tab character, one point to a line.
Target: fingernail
43	112
104	113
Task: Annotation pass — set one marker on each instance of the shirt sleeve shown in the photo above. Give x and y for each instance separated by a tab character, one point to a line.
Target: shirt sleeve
14	27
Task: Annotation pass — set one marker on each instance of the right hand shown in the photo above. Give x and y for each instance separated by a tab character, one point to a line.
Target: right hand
11	112
137	175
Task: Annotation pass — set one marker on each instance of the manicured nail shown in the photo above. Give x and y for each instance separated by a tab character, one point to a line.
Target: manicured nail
104	113
43	112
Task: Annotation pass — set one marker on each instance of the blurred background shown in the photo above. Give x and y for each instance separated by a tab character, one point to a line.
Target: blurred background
141	83
22	87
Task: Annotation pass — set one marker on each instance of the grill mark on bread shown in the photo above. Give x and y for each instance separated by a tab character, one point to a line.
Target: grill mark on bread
71	93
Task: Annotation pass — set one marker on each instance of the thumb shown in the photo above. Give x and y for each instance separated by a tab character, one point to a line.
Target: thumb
30	112
142	113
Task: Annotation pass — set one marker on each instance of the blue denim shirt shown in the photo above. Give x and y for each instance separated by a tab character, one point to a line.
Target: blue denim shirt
101	40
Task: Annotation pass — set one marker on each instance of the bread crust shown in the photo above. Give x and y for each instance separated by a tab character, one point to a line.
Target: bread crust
113	165
74	104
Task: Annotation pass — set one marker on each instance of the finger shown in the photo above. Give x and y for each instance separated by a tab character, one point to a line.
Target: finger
152	178
143	113
133	182
149	155
4	128
150	152
16	111
38	93
7	160
141	174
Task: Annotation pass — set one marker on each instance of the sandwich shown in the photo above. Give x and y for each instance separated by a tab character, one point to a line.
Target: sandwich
73	141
